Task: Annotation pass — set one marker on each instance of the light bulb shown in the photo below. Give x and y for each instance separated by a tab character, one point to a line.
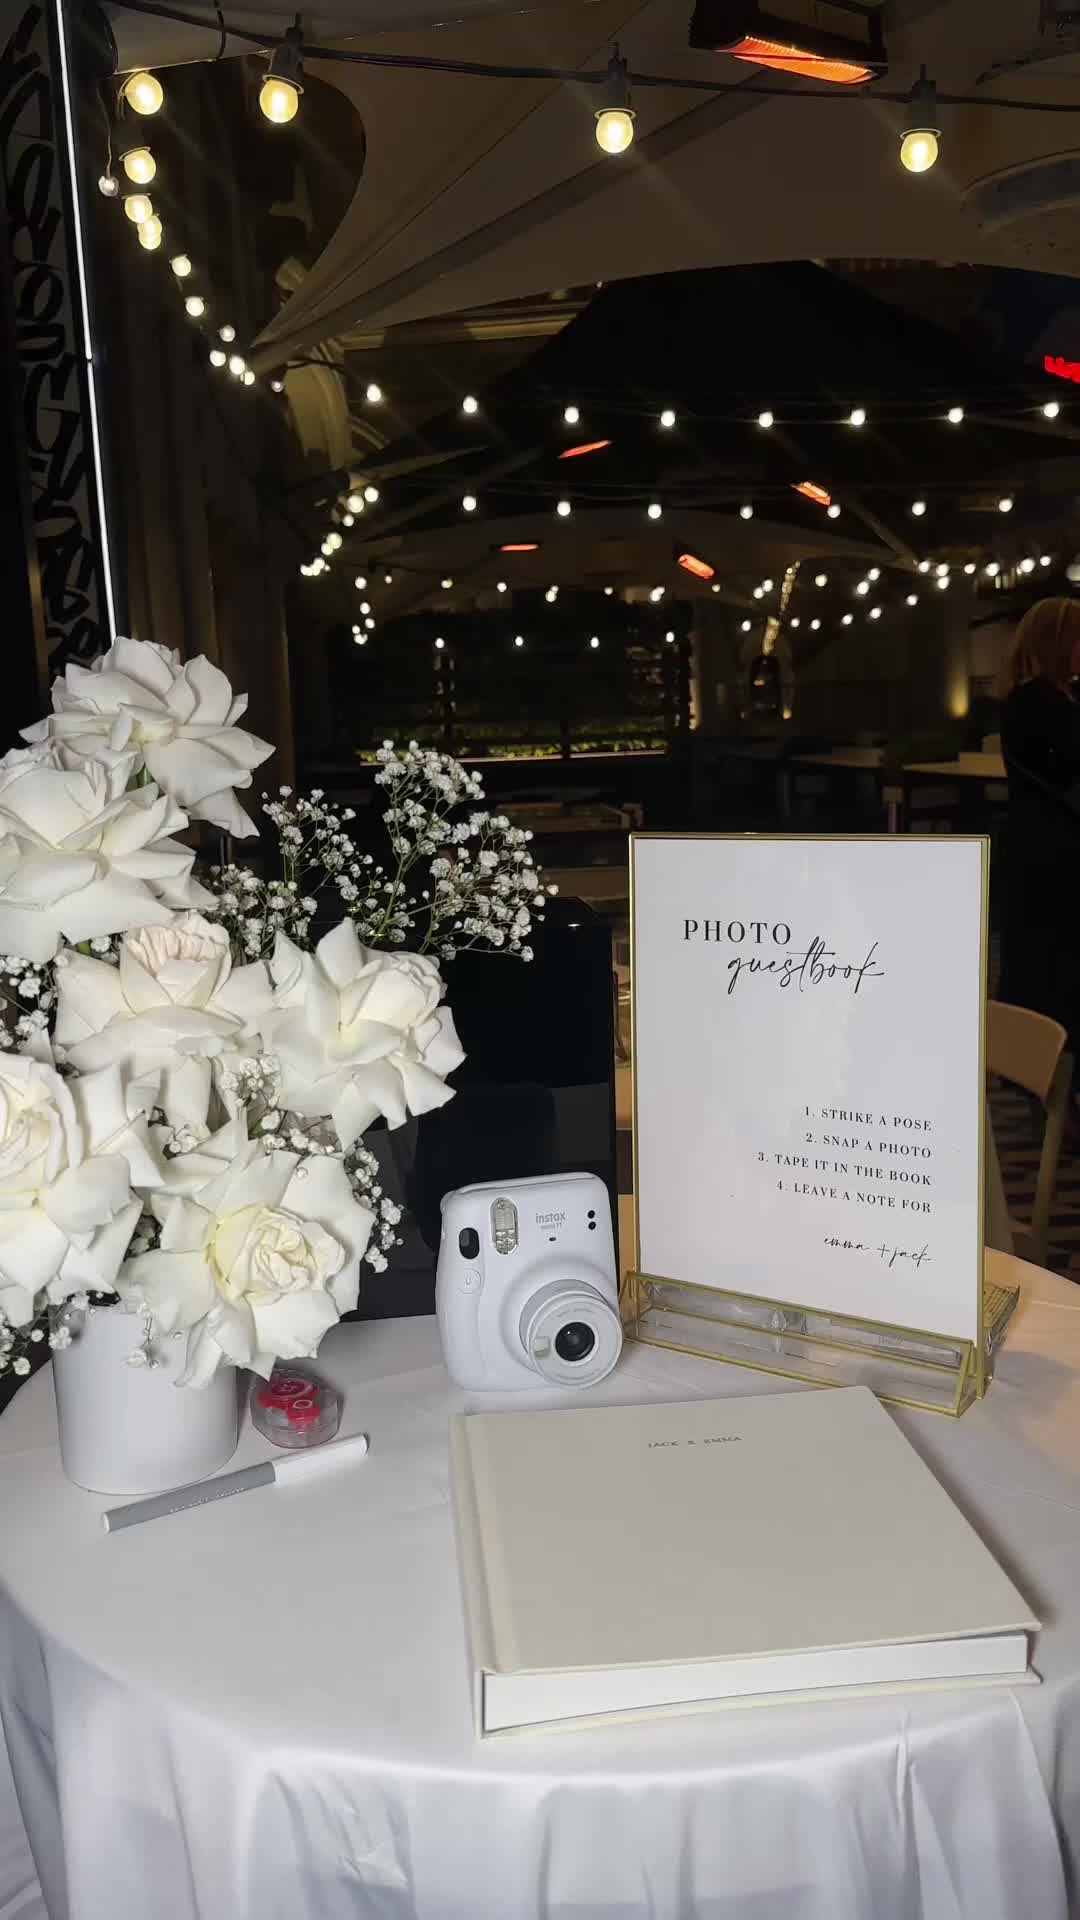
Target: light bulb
609	591
237	364
875	613
924	566
873	573
758	593
1005	504
857	417
715	587
249	377
954	416
746	513
765	419
834	511
1028	565
747	626
109	185
446	583
361	639
918	508
181	265
500	586
942	568
657	593
562	508
277	386
1045	560
195	305
519	639
440	643
614	129
815	625
943	583
846	619
140	166
373	393
1050	411
919	149
667	418
217	358
796	622
143	91
863	587
150	233
669	636
468	502
571	415
821	580
768	585
365	606
595	641
227	334
347	519
912	600
279	100
369	624
470	404
138	207
993	569
355	503
655	509
389	579
360	582
333	541
371	494
327	548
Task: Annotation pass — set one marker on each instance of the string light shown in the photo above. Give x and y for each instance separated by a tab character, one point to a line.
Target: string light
389	579
371	494
746	513
1051	410
237	364
921	139
955	416
468	502
667	418
249	377
834	510
768	585
355	503
747	626
447	582
1005	504
941	568
765	419
875	613
277	386
821	580
571	415
654	509
279	95
140	166
347	519
217	358
369	624
595	641
857	417
373	393
360	582
562	508
993	569
1045	560
669	636
143	92
796	622
361	639
912	600
181	266
815	625
227	333
873	573
109	185
609	591
918	508
519	639
500	586
924	566
759	593
365	606
846	619
970	567
1027	565
715	587
943	582
151	233
195	305
657	594
440	643
138	207
863	587
615	120
470	404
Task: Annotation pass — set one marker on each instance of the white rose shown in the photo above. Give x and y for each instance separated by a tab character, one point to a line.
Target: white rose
80	856
254	1265
174	1004
179	717
68	1156
359	1034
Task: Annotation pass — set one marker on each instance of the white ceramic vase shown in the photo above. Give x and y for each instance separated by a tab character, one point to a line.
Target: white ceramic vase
130	1429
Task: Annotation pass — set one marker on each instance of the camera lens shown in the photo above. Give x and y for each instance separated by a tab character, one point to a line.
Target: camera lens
468	1243
575	1341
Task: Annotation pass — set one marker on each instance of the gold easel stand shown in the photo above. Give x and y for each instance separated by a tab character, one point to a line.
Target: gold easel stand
909	1368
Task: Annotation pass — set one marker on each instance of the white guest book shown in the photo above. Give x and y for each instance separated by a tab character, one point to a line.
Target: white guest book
621	1559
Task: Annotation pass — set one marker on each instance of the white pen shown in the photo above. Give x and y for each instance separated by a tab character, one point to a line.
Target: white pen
289	1467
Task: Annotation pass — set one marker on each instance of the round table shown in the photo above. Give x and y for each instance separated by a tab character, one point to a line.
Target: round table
259	1709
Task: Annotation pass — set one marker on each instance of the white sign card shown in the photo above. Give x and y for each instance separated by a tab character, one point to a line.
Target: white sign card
808	1020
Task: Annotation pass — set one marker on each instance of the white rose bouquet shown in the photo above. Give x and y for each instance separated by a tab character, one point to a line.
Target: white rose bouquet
185	1077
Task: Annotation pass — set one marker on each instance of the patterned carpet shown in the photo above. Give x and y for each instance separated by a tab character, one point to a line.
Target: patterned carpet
1017	1123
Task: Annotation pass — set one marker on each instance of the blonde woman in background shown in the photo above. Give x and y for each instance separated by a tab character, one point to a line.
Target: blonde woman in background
1040	741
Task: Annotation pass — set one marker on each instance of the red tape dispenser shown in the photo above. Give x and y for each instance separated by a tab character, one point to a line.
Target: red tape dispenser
294	1408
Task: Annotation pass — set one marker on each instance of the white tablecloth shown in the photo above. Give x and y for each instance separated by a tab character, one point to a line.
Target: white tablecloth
259	1710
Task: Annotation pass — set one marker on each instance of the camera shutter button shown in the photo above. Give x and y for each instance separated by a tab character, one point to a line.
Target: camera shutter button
469	1281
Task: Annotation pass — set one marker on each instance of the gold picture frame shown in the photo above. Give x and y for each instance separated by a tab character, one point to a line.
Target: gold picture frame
906	1366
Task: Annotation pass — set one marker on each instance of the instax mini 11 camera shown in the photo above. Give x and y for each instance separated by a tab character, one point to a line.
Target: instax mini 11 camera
526	1291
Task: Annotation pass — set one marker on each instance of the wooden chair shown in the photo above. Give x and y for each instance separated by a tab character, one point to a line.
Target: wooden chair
1028	1050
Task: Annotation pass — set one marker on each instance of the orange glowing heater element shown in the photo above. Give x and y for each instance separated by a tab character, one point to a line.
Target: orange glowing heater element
812	66
521	546
699	568
811	491
591	446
